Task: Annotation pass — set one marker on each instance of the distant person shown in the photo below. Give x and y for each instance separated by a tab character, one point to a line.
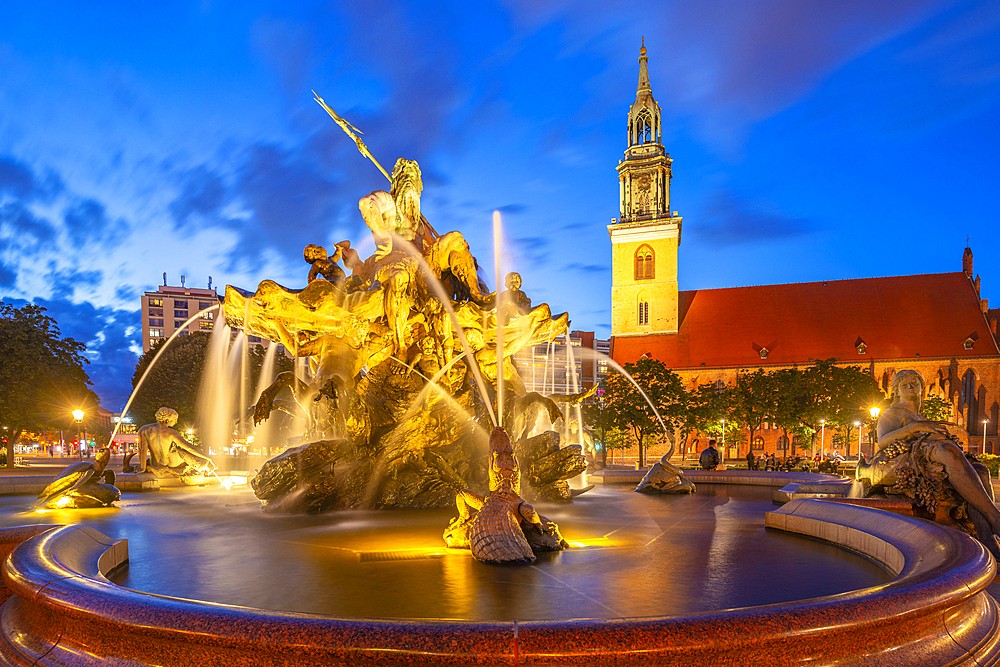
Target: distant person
750	460
709	458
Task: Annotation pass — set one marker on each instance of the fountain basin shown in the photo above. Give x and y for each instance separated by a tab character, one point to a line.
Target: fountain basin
934	611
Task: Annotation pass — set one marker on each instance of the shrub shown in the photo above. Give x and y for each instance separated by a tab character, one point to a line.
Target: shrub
991	461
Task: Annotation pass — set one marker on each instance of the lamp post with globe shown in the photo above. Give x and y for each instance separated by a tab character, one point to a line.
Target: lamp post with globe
78	416
873	432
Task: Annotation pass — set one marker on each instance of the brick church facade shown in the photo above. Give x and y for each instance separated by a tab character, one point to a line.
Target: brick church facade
936	324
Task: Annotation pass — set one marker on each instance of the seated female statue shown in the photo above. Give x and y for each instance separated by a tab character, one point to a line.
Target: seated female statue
924	460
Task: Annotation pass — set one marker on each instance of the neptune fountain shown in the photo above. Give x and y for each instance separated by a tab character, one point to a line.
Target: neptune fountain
410	366
411	401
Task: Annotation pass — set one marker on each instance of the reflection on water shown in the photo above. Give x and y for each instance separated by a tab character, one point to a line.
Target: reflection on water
641	556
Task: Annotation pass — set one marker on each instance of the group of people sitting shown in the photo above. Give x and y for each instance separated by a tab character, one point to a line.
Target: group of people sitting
829	463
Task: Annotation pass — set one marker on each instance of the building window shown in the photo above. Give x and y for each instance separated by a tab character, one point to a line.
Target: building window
758	442
643	312
205	325
181	313
202	305
644	263
178	324
155	323
862	348
156	312
180	304
763	353
156	333
967	343
156	302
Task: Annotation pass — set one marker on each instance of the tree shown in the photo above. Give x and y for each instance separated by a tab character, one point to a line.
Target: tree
853	393
598	418
626	408
42	376
175	380
937	409
824	391
752	400
789	401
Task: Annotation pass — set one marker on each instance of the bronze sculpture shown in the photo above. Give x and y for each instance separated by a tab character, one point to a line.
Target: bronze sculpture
924	461
170	455
403	364
665	477
496	527
78	486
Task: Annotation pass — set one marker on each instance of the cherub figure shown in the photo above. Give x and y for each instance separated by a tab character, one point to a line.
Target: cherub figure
512	301
323	266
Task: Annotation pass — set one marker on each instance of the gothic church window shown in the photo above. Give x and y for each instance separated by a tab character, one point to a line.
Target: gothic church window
644	263
643	312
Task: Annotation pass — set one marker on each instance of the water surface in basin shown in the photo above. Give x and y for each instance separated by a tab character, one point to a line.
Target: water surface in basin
633	555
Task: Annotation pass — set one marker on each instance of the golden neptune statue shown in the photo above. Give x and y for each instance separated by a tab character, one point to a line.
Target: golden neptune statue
396	416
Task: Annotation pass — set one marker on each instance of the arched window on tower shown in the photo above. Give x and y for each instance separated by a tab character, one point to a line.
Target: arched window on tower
644	263
644	312
643	128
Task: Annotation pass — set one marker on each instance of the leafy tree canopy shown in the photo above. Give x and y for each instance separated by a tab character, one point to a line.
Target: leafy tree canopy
175	379
42	376
627	409
937	409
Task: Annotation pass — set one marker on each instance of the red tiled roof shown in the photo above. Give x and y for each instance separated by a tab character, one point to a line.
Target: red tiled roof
902	317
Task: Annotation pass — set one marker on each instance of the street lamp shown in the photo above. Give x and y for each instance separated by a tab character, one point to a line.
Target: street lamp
822	433
722	456
858	424
872	434
985	422
78	415
604	435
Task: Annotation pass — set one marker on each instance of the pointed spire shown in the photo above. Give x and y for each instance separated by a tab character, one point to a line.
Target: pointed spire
643	69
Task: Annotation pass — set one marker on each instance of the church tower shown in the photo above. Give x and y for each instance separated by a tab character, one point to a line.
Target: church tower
644	239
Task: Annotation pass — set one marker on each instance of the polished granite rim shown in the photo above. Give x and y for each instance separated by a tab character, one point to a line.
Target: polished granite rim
63	611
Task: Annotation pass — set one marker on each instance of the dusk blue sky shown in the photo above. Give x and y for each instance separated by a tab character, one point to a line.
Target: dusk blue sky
811	141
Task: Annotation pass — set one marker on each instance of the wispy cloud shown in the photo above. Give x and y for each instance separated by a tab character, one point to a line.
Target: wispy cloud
735	220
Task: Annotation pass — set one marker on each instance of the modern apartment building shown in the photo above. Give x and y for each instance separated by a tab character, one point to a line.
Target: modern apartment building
169	308
564	367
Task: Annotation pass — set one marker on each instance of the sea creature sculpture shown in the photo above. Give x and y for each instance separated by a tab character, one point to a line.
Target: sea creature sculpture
78	486
665	477
494	533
